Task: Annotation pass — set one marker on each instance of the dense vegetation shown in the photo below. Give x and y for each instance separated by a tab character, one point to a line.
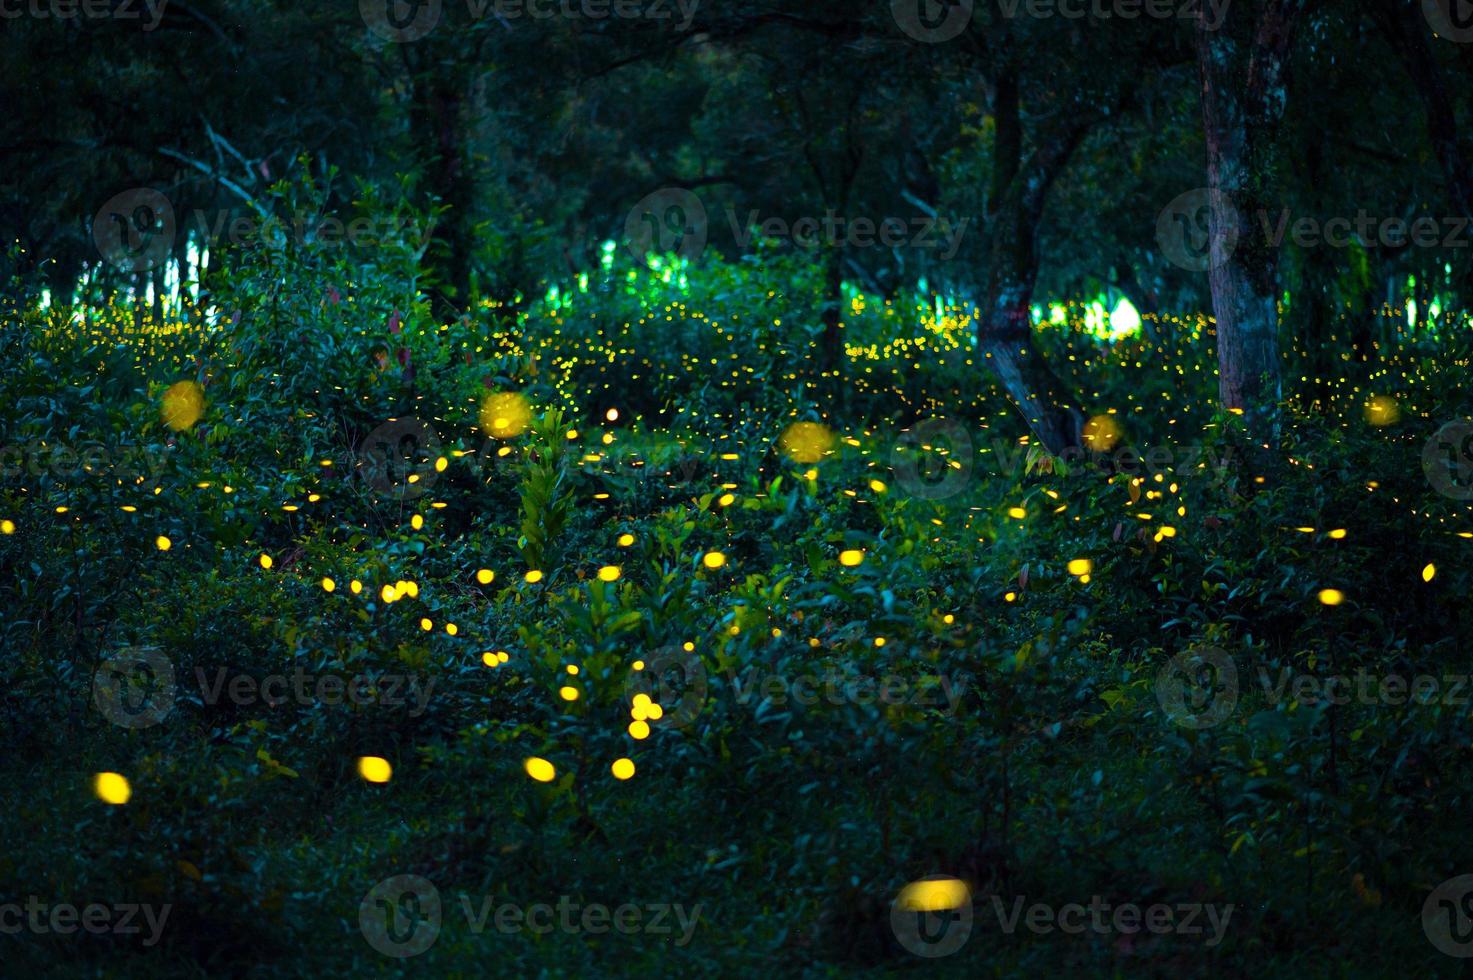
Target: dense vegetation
555	545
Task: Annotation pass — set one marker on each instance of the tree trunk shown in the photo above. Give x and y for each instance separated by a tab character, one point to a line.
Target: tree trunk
440	128
1005	327
833	312
1243	95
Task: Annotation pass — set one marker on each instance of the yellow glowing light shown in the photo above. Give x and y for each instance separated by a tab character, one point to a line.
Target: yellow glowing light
934	895
451	629
374	769
490	659
1331	597
1081	566
162	543
568	693
1429	571
878	486
625	540
851	557
505	415
355	586
532	577
1017	513
622	769
328	585
713	559
182	405
806	442
388	594
265	561
485	576
1382	411
1101	433
639	730
426	625
7	527
540	769
111	787
1338	533
609	573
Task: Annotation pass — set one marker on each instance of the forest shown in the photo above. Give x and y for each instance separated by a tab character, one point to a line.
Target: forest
844	488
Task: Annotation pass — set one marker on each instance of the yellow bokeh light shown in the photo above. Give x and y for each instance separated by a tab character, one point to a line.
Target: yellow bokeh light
162	543
485	576
934	895
806	442
182	405
505	415
713	559
1101	433
622	769
851	557
111	787
1382	410
374	769
540	769
1331	597
609	573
